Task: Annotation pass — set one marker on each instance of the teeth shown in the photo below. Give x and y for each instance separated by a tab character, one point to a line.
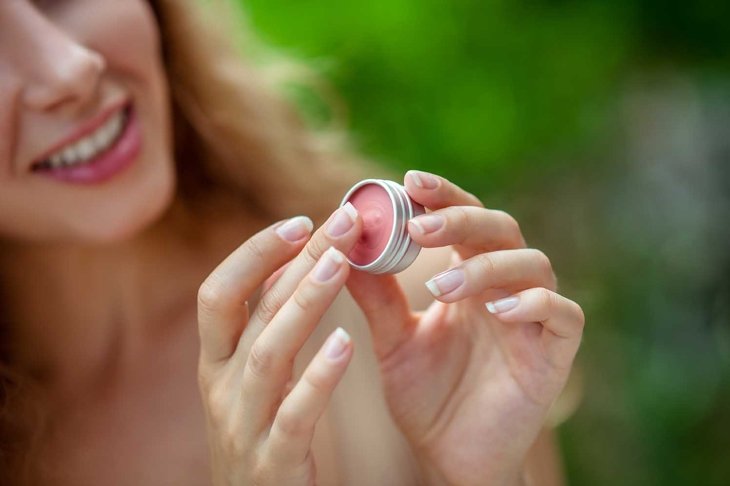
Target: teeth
69	155
86	149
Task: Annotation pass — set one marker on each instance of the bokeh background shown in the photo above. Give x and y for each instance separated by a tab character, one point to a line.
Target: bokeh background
604	127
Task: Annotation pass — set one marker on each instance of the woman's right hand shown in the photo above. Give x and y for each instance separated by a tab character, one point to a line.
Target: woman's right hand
259	429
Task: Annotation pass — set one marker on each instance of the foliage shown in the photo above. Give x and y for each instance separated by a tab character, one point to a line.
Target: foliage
546	108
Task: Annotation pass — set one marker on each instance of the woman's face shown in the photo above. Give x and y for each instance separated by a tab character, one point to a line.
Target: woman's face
85	150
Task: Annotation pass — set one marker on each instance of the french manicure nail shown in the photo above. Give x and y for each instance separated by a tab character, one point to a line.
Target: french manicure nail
428	223
424	180
342	221
446	282
336	344
328	265
295	229
503	305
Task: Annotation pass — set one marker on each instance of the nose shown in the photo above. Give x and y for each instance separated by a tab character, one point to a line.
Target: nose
70	77
64	73
51	63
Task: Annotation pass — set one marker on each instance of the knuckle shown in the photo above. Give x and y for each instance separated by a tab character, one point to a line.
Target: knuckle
269	305
217	404
233	443
315	249
291	424
254	250
487	263
460	219
511	225
261	360
541	261
320	382
547	300
305	298
210	294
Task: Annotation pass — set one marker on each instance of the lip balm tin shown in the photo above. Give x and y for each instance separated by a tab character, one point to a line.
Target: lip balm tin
385	245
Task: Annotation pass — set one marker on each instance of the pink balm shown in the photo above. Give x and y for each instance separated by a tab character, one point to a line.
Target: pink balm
385	245
373	204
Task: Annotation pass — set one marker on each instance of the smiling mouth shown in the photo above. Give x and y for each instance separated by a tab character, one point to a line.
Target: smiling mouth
90	147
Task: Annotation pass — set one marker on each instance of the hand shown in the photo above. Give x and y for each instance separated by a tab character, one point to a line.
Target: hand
258	431
468	384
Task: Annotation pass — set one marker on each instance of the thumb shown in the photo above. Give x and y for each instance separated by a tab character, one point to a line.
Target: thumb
386	309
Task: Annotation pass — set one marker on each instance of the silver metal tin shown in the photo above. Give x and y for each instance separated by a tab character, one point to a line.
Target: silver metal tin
401	250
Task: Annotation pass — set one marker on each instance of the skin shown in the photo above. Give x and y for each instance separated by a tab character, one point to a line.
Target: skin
88	54
467	390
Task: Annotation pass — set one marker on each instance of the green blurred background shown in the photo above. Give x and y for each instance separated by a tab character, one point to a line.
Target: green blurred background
604	127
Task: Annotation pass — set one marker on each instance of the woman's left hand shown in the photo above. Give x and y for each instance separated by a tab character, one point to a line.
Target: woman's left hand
469	381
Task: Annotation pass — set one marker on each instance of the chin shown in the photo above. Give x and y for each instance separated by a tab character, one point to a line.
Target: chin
132	216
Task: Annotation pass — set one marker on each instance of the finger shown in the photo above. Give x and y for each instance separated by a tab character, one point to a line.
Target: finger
293	428
269	363
269	282
386	309
222	308
435	192
562	320
510	270
341	231
478	229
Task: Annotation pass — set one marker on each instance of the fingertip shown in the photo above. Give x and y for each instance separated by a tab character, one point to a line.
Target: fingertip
419	234
415	228
507	316
420	180
503	305
428	229
294	230
351	211
411	180
338	346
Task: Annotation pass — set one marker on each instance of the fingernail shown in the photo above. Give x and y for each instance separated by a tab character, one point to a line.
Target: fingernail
446	282
424	180
427	223
336	344
343	220
328	265
295	229
503	305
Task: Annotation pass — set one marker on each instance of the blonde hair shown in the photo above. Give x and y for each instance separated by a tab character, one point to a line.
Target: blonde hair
234	136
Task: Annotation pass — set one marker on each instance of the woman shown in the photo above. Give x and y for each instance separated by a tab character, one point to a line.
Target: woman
136	155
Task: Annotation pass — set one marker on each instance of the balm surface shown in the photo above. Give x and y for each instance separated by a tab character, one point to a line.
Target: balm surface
376	209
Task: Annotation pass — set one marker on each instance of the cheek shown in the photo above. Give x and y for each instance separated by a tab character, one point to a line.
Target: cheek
129	38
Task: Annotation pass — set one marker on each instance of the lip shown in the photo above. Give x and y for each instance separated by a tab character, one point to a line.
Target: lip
83	130
108	164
